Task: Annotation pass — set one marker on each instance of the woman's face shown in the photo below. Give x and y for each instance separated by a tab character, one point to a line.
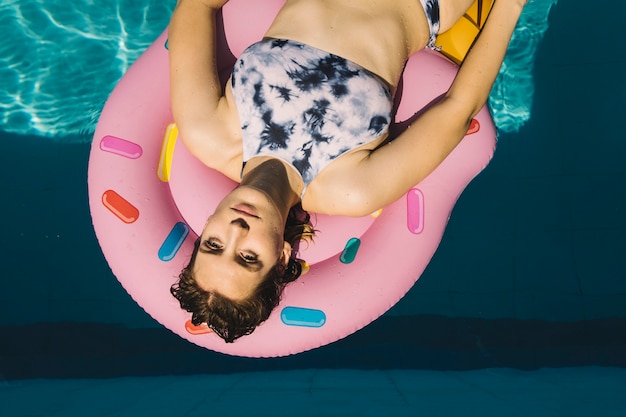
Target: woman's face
241	242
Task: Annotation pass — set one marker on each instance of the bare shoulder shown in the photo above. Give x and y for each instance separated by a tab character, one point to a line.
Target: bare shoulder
339	189
215	139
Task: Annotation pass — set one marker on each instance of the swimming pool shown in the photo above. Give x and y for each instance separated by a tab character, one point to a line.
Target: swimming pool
530	273
61	60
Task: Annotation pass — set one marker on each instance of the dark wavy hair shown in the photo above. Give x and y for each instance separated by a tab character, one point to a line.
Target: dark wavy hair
232	319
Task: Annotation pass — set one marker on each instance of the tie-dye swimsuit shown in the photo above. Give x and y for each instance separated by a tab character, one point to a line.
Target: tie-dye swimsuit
431	8
306	106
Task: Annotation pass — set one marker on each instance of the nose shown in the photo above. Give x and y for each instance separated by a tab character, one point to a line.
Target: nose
241	223
238	230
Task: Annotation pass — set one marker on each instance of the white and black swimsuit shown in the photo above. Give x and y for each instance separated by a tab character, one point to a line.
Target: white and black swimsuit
306	106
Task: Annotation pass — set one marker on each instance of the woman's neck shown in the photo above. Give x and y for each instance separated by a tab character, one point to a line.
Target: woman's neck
271	177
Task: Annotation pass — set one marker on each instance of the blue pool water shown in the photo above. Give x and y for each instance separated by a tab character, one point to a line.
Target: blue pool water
60	60
521	312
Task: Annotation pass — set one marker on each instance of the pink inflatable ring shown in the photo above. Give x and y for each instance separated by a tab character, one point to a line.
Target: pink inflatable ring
149	199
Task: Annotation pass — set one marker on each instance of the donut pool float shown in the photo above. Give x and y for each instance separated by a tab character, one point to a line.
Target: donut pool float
149	199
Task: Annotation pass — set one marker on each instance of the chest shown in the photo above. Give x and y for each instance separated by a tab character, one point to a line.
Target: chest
375	35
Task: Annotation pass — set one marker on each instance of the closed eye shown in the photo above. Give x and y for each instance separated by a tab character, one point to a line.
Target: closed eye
248	260
251	265
213	244
249	257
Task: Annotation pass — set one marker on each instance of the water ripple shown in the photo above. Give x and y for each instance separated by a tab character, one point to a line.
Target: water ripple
512	94
60	60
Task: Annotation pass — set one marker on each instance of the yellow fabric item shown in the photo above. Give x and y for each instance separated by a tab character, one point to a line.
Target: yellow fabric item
457	41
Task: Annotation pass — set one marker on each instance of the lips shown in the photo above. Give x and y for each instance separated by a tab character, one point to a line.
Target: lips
246	210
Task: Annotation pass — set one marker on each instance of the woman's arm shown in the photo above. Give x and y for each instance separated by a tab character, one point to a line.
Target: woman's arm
480	68
389	171
197	96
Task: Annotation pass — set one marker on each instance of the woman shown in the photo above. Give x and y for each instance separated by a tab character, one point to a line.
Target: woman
304	121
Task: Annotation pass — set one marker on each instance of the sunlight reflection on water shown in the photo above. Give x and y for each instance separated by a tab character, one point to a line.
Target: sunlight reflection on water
60	60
